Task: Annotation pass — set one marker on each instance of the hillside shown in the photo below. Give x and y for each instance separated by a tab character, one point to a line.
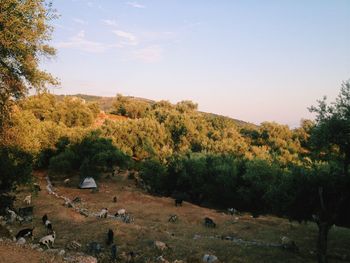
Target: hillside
253	239
106	104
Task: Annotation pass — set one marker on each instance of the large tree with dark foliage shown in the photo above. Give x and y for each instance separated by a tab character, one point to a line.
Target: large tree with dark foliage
15	168
320	191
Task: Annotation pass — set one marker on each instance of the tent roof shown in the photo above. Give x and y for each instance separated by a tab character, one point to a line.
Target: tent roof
87	183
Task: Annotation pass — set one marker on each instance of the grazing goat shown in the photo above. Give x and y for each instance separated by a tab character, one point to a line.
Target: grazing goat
48	240
27	232
28	200
121	212
66	181
103	213
208	222
48	225
178	202
110	237
44	218
114	199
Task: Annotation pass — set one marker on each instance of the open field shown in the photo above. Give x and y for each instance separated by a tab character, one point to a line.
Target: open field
151	223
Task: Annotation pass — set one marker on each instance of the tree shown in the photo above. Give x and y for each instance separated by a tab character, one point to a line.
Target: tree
24	33
331	133
320	191
15	168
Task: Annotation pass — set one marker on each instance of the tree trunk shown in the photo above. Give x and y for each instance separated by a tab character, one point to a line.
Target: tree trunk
323	228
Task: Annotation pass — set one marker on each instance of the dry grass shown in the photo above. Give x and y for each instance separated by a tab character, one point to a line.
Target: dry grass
151	223
10	253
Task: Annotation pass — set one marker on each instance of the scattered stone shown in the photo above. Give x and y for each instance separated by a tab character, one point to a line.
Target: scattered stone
95	248
84	213
196	236
160	245
52	251
62	252
162	259
76	200
21	241
173	218
73	245
209	258
81	259
34	246
289	244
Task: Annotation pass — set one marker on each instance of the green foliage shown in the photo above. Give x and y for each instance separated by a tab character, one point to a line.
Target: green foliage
91	156
130	107
15	169
24	33
153	174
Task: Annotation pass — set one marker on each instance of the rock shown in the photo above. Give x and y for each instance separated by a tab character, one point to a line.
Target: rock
73	245
161	259
196	236
34	246
52	251
84	213
178	261
76	200
21	241
40	249
62	252
1	240
160	245
209	258
95	248
289	244
82	259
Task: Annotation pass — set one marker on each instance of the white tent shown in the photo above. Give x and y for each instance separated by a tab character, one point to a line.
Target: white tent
88	183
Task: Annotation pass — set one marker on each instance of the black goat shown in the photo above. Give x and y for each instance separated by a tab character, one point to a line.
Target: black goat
44	218
27	232
178	202
110	237
208	222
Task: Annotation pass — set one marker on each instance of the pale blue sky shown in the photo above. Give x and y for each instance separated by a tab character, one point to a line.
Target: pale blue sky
251	60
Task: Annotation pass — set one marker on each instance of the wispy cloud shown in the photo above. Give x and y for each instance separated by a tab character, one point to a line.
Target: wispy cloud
80	42
109	22
127	38
135	4
149	54
79	21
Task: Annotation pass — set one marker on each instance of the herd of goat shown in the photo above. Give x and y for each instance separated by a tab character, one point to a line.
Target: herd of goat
94	247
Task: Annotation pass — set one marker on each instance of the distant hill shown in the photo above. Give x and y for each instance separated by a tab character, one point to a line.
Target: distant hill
106	104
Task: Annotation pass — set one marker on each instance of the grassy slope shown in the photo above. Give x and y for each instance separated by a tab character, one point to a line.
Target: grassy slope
151	223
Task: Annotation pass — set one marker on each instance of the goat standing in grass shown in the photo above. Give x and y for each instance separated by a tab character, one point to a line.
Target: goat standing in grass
48	240
103	213
28	200
110	237
27	232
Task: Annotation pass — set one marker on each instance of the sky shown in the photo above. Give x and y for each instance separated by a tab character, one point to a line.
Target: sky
251	60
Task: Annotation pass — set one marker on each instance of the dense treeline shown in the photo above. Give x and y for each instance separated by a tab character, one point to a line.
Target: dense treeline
207	159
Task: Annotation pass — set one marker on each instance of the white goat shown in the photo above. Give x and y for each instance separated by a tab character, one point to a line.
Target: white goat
28	199
121	212
103	213
48	240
